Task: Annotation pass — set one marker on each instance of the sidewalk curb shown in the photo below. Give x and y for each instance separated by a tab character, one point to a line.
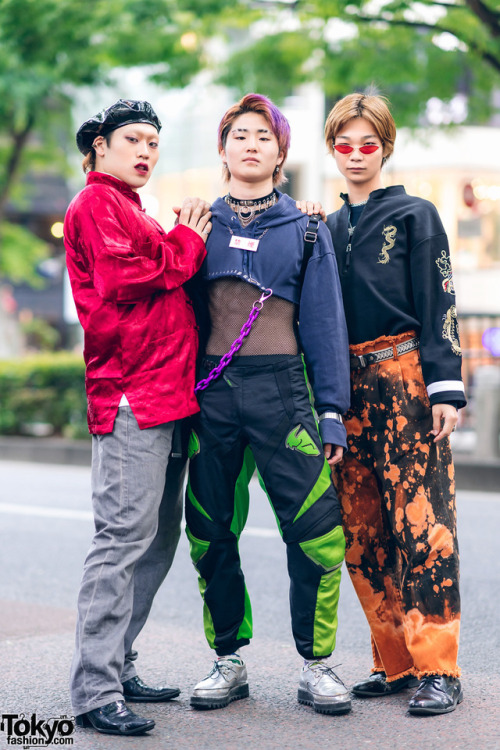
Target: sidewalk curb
46	450
470	473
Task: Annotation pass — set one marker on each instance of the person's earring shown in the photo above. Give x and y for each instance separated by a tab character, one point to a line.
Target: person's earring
384	159
277	168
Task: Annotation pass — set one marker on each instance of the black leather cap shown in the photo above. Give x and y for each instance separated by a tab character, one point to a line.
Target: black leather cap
123	112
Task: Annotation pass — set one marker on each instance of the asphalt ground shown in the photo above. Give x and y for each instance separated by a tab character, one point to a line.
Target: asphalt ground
45	530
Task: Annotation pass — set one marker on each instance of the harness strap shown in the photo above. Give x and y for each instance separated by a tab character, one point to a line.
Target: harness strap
310	237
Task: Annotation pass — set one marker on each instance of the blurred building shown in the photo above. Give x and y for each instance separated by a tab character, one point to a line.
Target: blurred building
46	197
457	169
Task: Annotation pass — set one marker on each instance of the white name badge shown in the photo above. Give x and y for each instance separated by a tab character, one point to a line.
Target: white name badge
244	243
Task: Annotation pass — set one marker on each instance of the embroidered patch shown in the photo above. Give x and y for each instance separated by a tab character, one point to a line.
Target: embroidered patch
390	238
444	265
450	329
299	440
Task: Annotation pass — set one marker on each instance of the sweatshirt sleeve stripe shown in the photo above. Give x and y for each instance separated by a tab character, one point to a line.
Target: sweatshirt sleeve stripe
445	385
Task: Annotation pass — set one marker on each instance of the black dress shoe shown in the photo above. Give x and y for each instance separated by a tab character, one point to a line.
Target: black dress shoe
135	690
377	686
115	718
436	694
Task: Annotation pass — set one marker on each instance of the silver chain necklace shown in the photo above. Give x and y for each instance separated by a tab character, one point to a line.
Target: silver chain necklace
350	231
247	210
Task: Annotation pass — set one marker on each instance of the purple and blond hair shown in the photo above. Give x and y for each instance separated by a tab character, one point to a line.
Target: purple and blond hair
277	122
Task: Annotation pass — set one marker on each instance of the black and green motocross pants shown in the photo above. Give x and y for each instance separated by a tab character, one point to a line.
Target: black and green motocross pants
259	413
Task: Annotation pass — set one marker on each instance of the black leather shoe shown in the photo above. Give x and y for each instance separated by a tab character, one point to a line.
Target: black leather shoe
377	686
436	694
115	718
135	690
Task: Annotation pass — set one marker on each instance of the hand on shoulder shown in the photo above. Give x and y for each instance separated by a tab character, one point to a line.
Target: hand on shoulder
311	207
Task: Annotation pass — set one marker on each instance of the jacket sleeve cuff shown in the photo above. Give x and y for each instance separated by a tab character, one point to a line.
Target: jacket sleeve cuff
455	398
332	431
445	391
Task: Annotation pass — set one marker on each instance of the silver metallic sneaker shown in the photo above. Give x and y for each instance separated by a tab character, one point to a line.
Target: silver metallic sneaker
226	682
322	689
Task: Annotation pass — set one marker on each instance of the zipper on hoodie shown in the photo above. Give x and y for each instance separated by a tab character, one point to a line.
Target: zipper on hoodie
245	253
350	230
348	249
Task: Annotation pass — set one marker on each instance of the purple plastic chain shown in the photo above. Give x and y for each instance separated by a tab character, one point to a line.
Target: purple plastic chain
237	343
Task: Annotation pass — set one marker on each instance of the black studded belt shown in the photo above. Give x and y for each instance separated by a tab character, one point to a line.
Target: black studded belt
359	361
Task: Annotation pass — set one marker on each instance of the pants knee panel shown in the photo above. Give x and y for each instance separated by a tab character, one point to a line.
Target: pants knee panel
327	550
197	547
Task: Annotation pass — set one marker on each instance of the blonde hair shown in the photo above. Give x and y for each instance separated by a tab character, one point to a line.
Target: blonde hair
371	107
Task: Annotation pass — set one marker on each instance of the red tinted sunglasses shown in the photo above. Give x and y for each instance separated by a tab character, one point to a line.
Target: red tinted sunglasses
343	148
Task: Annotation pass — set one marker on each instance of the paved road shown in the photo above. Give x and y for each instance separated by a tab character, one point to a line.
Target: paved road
45	528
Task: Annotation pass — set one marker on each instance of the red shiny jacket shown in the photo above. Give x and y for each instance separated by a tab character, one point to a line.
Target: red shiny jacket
126	274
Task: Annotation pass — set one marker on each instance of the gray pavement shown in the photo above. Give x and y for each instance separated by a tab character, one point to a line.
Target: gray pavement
45	530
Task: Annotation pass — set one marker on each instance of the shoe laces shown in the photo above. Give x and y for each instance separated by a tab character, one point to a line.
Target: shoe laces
319	668
223	667
430	680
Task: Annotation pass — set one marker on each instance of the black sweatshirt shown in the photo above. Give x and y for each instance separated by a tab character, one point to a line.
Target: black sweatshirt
396	276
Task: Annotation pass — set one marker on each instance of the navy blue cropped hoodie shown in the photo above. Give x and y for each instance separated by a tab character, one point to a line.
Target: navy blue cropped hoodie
277	265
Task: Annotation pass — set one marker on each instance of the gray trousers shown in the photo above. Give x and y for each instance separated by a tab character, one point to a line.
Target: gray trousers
137	503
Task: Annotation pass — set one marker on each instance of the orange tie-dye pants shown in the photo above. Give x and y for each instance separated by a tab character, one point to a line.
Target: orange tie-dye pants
397	492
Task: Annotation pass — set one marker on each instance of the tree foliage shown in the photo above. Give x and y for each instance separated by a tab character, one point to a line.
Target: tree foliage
50	48
410	50
27	251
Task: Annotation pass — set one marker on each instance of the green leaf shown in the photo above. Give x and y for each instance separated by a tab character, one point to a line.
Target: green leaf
20	252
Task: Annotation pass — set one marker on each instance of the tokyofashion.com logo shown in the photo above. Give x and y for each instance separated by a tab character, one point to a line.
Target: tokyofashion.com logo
29	731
